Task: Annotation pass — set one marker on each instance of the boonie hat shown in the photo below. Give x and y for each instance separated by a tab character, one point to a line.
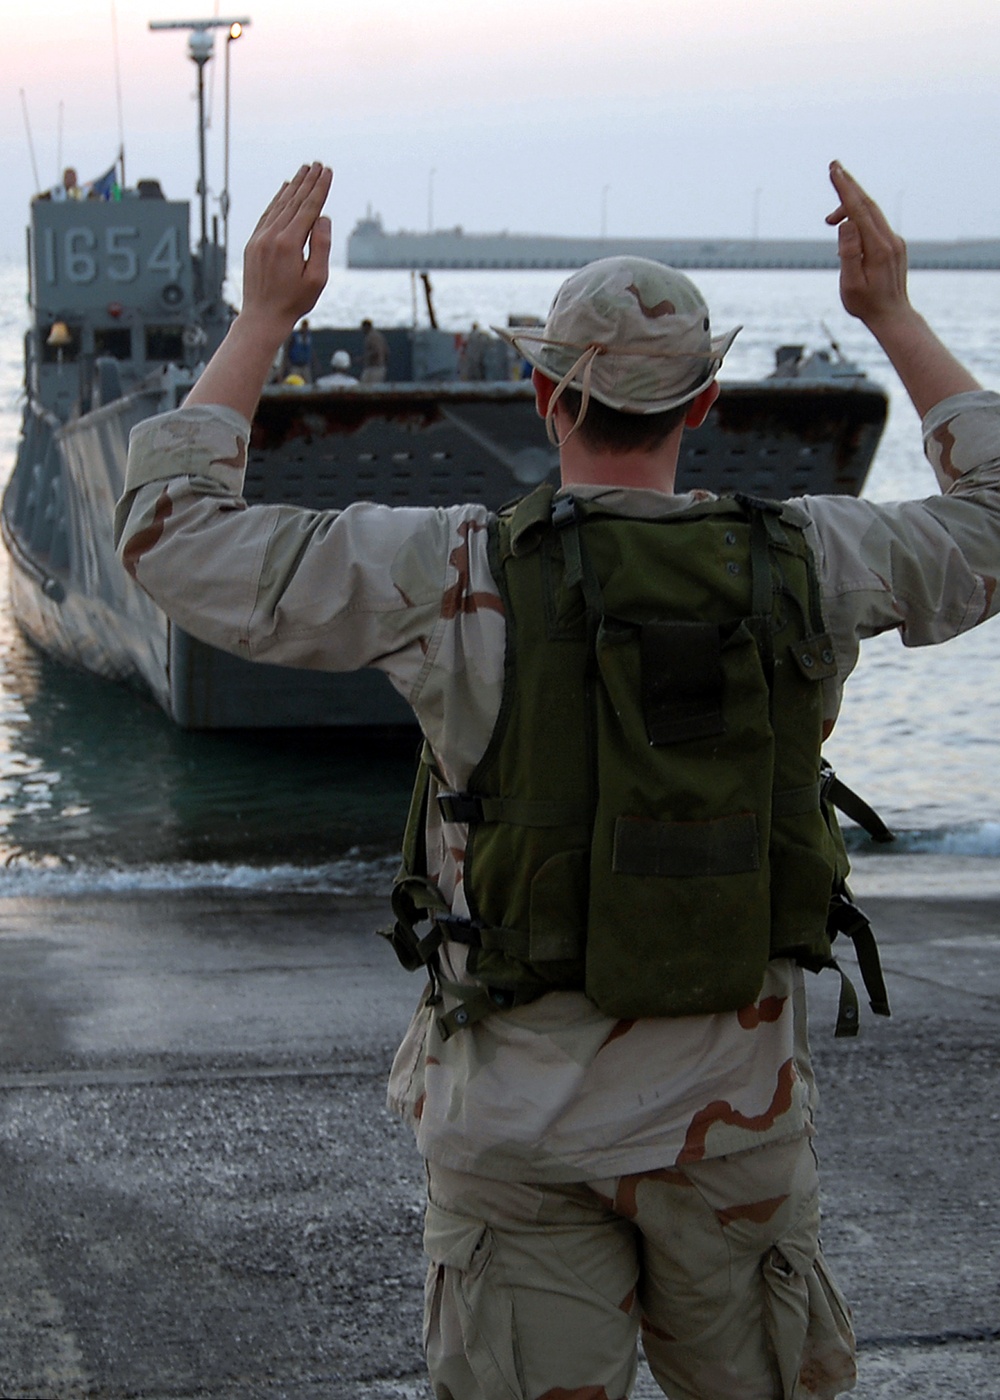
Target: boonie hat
340	360
632	332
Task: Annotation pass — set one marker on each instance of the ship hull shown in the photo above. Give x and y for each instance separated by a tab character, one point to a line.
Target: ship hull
404	444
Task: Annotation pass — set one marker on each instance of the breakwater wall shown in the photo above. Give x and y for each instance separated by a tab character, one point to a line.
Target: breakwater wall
369	246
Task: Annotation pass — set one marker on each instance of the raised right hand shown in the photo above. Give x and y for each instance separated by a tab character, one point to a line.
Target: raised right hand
872	256
873	288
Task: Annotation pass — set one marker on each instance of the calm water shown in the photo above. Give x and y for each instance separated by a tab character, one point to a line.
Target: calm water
98	790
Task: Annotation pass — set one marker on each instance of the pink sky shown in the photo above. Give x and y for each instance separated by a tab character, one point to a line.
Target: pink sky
672	118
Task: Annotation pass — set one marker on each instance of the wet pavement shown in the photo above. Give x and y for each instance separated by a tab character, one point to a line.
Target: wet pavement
202	1194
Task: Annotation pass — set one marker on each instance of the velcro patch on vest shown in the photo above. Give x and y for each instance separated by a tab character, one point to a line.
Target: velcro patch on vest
725	846
681	681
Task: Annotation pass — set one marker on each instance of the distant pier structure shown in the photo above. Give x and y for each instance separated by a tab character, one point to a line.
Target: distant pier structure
370	246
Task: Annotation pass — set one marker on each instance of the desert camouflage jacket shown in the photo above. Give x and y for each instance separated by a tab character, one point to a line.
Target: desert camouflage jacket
552	1091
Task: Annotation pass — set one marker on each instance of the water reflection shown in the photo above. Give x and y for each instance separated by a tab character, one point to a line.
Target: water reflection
92	771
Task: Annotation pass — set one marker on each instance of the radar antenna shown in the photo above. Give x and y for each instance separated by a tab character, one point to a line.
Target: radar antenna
201	44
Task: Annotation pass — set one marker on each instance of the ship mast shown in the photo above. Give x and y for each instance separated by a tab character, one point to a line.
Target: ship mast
201	44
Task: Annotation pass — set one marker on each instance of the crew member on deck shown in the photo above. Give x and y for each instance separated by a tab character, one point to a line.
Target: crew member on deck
374	355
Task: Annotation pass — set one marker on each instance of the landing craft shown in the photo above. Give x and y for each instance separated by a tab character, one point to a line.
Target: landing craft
124	315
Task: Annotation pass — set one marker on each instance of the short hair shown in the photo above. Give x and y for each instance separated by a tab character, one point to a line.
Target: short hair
607	429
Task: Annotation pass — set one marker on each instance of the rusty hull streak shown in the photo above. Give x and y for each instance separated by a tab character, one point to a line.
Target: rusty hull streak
304	416
279	422
817	414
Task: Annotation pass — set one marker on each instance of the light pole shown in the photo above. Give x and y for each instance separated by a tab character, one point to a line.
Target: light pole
235	30
201	43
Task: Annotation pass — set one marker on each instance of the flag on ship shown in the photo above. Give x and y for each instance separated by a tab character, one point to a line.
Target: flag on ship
103	187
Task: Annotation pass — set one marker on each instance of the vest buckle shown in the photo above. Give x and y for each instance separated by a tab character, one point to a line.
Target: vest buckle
564	512
460	807
458	929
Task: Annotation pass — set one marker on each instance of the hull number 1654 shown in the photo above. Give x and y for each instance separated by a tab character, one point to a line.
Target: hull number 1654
82	256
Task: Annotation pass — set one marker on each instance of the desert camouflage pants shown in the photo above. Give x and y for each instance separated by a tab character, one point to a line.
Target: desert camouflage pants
539	1292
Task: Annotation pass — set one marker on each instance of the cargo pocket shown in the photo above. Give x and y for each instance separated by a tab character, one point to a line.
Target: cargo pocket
469	1315
808	1325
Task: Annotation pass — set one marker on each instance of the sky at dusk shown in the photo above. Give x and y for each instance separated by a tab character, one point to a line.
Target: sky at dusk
649	117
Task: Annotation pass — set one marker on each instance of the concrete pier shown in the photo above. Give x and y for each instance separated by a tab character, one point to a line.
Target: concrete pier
202	1195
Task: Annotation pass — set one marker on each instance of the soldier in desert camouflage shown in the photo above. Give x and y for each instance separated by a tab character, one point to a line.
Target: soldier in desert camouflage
588	1176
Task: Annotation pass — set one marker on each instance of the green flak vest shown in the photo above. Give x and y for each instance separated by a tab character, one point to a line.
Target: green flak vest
652	821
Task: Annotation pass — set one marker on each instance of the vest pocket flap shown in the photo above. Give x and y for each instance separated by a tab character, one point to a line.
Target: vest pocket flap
724	846
815	657
681	680
558	909
530	520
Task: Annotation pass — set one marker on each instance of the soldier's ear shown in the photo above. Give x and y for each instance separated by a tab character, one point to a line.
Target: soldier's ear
699	406
544	387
